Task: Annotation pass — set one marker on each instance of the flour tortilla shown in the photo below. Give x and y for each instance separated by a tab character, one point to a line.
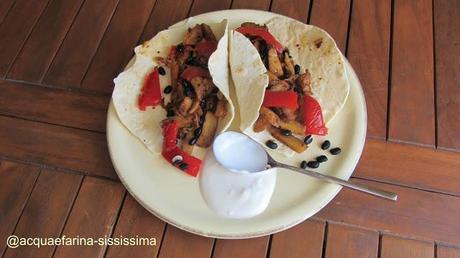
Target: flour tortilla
330	86
146	125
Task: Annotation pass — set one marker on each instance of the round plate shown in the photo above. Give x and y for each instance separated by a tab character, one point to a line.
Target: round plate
175	197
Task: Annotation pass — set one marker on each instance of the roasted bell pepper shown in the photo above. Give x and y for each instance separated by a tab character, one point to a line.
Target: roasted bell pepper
281	99
150	93
170	131
264	34
206	48
313	117
189	164
194	71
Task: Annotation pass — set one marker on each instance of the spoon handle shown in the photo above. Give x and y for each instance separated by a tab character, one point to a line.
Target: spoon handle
355	186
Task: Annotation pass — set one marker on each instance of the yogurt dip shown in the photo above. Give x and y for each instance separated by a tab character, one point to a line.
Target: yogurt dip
235	195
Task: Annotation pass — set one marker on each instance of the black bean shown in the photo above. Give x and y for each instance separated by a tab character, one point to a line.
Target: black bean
313	164
271	144
335	151
303	164
183	166
190	60
188	89
321	158
180	48
197	132
326	144
297	69
193	141
170	113
308	139
161	70
286	132
168	89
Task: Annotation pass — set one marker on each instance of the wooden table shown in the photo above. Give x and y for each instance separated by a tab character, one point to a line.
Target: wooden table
57	62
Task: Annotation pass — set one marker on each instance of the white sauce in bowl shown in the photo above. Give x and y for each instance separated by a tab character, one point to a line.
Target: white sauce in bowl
235	195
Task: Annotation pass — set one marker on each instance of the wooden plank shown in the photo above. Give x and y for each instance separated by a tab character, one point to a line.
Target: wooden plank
297	9
177	243
5	7
204	6
75	54
447	252
447	36
417	213
94	214
15	29
412	166
252	247
368	53
55	106
55	146
116	47
337	24
303	240
345	241
164	14
15	188
256	4
46	211
395	247
134	221
125	29
40	48
412	93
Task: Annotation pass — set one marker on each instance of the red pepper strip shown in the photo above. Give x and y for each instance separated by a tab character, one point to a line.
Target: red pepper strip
264	34
313	117
170	131
282	99
150	92
194	71
206	48
193	164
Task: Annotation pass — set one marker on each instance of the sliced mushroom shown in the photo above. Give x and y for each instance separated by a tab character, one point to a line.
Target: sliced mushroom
202	86
304	82
290	141
289	64
185	145
185	105
221	108
260	124
289	114
270	116
193	36
208	130
279	86
207	32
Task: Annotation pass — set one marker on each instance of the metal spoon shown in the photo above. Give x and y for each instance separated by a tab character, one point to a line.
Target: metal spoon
237	152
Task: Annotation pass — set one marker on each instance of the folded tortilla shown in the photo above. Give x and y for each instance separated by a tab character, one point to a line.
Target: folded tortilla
310	47
146	125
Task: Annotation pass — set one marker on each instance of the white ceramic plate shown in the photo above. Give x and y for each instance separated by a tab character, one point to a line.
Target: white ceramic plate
175	197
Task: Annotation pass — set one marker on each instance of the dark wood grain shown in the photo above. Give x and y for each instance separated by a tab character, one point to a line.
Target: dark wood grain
181	244
412	166
93	215
116	47
332	16
55	106
5	6
368	53
412	116
55	146
204	6
345	241
134	221
16	185
257	4
38	52
394	247
297	9
15	29
447	252
74	56
46	211
303	240
417	213
251	248
447	42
